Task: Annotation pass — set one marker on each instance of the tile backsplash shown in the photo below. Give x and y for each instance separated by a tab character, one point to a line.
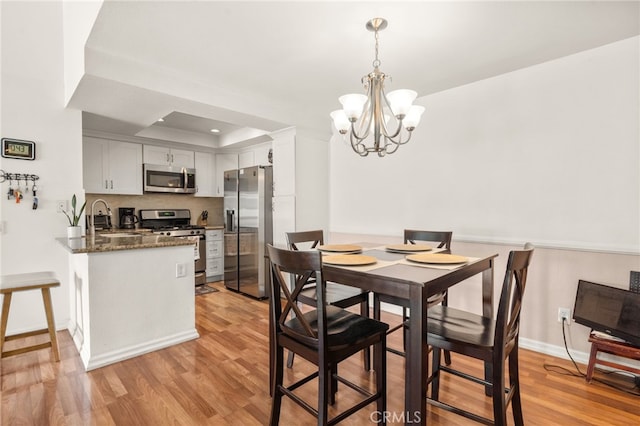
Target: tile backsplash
214	205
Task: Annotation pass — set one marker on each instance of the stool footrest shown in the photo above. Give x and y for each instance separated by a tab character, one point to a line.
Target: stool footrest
27	334
26	349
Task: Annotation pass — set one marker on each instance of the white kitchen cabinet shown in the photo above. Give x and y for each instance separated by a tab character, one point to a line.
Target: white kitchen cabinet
224	162
246	159
284	162
168	156
261	155
215	254
205	174
111	167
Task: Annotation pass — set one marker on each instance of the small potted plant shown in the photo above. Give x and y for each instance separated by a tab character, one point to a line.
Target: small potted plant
74	230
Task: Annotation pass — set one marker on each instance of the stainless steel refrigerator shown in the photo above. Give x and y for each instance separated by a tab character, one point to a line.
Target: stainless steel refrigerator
248	195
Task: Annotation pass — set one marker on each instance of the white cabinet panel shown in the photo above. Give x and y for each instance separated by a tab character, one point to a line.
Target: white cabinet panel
224	162
284	163
246	159
214	249
214	253
125	168
284	217
205	174
261	155
112	167
168	156
182	158
95	165
214	268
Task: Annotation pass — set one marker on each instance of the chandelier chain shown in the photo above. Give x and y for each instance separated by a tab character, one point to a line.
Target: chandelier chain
376	62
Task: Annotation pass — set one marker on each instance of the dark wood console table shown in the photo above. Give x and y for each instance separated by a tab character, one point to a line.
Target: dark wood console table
611	347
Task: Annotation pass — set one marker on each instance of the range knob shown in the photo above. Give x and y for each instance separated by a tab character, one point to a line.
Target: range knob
167	234
193	232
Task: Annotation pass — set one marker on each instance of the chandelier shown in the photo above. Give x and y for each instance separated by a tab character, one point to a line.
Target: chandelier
365	114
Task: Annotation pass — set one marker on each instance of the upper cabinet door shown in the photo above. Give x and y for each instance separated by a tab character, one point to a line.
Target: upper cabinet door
224	162
205	174
112	167
182	158
95	165
156	155
245	159
125	167
168	156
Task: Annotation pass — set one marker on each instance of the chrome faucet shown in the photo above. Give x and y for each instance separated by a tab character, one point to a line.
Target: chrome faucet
92	225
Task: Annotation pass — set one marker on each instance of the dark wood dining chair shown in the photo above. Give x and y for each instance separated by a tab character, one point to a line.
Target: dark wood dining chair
486	339
442	239
324	336
342	296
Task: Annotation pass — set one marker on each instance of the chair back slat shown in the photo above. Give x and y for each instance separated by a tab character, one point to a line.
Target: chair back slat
302	265
510	305
312	238
442	238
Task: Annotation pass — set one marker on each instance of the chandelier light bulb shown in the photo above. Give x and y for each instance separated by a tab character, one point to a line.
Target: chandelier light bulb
412	118
340	121
400	101
352	104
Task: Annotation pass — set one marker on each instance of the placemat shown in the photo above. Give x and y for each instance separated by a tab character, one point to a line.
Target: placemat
366	268
349	260
438	266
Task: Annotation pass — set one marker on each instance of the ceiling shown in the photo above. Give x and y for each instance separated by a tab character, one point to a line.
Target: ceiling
261	66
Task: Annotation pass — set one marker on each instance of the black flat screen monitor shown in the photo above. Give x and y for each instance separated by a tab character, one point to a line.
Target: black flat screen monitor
610	310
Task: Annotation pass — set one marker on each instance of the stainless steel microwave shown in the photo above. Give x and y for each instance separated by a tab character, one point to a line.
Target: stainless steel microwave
158	178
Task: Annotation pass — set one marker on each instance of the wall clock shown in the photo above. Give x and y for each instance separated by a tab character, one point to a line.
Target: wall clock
15	148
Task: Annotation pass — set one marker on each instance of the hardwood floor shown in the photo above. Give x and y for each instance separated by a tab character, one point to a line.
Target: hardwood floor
221	379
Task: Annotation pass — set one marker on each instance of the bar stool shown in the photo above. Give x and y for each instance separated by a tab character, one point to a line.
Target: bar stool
23	282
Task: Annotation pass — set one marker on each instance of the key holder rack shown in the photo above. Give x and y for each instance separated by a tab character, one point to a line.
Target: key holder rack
18	193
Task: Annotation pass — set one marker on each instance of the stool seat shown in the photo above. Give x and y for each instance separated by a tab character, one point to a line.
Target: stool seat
42	281
28	281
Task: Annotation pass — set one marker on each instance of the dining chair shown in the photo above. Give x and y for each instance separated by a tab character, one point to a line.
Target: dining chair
486	339
342	296
324	336
413	236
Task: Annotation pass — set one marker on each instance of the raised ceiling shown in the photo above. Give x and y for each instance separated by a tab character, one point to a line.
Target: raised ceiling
261	66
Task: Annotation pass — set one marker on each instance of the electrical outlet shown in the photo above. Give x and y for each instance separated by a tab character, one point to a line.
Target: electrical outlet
61	206
564	313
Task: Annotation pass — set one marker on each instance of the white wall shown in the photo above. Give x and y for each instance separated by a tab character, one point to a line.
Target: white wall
548	154
78	18
33	109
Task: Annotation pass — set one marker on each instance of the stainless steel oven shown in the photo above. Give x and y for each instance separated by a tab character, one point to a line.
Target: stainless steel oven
177	223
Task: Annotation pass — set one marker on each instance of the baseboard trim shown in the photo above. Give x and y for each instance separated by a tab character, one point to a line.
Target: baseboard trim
93	362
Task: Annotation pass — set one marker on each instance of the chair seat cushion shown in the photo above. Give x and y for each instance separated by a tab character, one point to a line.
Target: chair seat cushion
459	326
336	293
344	328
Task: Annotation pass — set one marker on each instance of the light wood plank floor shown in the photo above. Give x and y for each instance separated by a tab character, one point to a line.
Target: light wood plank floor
221	379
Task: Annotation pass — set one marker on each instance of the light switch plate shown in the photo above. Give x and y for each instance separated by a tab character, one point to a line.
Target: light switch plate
181	270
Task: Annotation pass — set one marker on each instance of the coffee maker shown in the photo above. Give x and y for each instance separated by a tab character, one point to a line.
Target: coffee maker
127	217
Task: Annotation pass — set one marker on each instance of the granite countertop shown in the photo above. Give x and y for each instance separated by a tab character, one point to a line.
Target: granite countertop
101	243
213	227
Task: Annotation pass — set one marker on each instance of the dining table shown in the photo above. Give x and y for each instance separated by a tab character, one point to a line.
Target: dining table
411	284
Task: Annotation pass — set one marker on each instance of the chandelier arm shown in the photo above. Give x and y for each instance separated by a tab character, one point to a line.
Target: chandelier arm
358	146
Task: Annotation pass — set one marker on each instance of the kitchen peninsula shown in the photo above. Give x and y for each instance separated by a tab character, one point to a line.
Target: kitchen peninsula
130	294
